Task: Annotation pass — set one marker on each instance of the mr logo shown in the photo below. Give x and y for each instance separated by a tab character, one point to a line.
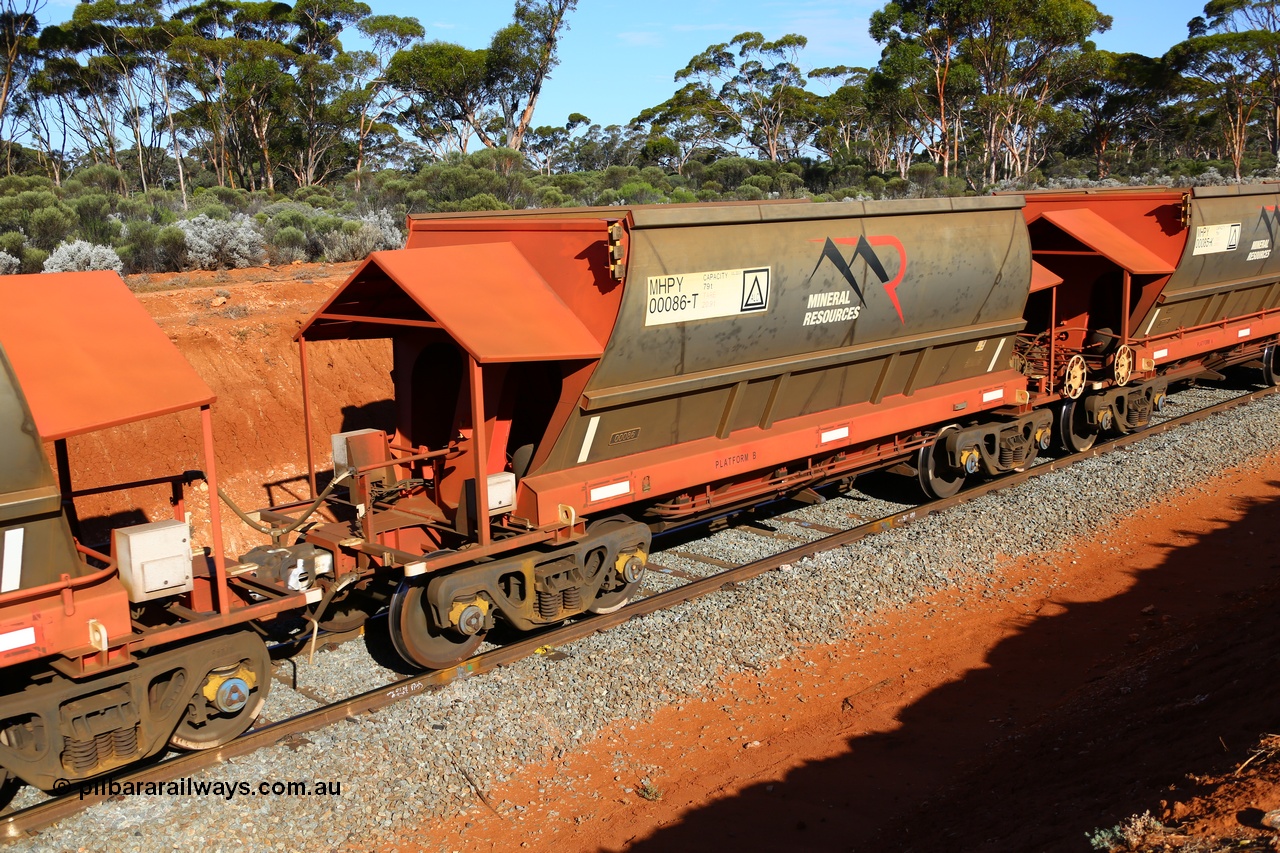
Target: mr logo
755	290
863	249
1269	216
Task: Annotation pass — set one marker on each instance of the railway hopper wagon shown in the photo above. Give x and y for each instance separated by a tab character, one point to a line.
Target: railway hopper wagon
111	652
1153	286
567	382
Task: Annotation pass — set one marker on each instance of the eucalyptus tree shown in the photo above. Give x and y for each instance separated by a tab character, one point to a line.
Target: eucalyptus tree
491	92
1024	54
1258	23
685	125
520	59
367	92
19	31
755	87
1229	65
922	40
447	96
845	117
1117	98
238	61
316	124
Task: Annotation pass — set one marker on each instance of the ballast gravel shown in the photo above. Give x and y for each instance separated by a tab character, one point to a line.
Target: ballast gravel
434	754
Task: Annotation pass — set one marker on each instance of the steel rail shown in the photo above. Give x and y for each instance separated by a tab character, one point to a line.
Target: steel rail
21	823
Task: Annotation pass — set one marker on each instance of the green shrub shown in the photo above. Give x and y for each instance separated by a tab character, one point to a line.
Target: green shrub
289	238
12	242
49	226
153	248
291	218
639	192
33	260
213	210
922	174
101	177
231	199
789	185
482	201
94	211
553	197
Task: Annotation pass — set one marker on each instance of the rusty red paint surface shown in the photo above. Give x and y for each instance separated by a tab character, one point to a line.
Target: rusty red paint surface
89	356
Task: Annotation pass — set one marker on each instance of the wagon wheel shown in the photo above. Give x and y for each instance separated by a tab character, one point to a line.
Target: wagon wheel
1122	366
1073	377
416	636
616	590
349	610
344	615
938	478
229	697
1271	365
1074	430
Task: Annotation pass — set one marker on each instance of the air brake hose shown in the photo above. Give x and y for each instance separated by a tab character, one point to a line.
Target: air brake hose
276	532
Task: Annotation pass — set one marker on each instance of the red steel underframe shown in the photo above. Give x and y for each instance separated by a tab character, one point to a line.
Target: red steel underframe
1185	343
678	468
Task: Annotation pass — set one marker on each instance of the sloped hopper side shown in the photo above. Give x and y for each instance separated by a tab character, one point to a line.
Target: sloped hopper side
1114	279
35	541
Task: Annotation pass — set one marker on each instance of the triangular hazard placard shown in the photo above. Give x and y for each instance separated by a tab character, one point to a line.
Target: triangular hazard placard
755	289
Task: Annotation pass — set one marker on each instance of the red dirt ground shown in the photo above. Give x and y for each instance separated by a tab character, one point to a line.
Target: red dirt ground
1124	675
1138	682
242	345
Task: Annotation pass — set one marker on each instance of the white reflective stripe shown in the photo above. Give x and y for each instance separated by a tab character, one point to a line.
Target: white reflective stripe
17	639
11	563
1243	333
835	434
1152	323
1160	353
613	490
997	394
588	438
995	355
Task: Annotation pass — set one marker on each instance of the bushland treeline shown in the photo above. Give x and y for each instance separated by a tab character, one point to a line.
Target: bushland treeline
305	131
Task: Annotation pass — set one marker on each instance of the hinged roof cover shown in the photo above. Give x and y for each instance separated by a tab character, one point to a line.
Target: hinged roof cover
1109	241
1042	277
486	296
88	356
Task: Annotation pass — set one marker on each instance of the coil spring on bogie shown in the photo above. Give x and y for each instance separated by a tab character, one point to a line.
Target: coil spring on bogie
81	755
548	605
1139	412
125	741
1013	452
572	598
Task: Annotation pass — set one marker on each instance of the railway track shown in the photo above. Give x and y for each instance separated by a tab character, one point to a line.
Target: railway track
21	823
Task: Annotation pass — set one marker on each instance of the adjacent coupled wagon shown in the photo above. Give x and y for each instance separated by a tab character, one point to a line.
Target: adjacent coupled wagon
567	384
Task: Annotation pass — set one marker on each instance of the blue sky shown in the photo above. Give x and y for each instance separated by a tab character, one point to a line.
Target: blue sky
620	57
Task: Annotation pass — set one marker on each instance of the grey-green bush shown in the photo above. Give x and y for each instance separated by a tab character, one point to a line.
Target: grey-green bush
83	256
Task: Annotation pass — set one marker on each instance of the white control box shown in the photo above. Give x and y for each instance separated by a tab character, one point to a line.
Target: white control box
339	443
502	492
154	559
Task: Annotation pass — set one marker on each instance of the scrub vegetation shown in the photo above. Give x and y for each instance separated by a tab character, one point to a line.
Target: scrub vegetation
223	133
